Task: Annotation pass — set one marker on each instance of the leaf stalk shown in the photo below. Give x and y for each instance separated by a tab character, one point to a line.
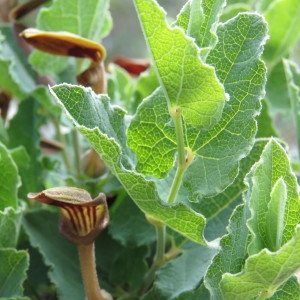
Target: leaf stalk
159	259
61	139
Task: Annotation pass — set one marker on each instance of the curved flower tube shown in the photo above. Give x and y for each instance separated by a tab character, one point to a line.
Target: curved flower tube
81	220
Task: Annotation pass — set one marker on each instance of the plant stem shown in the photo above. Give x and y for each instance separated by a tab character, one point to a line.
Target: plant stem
176	184
76	146
159	256
177	119
160	244
89	274
61	139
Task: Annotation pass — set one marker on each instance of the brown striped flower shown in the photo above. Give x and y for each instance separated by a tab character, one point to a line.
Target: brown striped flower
81	217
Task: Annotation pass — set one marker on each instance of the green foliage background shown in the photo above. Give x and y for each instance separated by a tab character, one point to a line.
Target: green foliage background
205	142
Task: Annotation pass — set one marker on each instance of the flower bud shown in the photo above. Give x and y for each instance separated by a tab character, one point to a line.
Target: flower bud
64	43
133	66
92	164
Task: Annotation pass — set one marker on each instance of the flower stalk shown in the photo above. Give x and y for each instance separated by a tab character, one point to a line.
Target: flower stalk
89	274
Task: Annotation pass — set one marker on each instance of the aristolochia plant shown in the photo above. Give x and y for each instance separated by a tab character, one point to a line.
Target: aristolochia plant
202	190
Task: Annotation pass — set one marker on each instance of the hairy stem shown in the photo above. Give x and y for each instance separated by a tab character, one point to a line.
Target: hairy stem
61	139
89	274
176	184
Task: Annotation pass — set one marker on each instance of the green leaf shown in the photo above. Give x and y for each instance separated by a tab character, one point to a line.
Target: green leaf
10	223
218	209
238	126
290	290
188	84
230	2
16	74
16	298
134	267
42	229
3	132
264	272
293	78
200	293
23	132
14	265
292	73
274	165
104	126
107	252
37	274
265	123
283	17
275	214
20	157
264	4
277	89
236	59
146	84
47	106
120	87
86	18
230	11
152	136
89	19
199	20
181	274
129	225
9	179
232	254
190	19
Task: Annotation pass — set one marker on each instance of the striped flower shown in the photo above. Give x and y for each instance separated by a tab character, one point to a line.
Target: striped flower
81	217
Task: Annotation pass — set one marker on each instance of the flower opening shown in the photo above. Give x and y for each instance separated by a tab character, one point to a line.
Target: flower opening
81	217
